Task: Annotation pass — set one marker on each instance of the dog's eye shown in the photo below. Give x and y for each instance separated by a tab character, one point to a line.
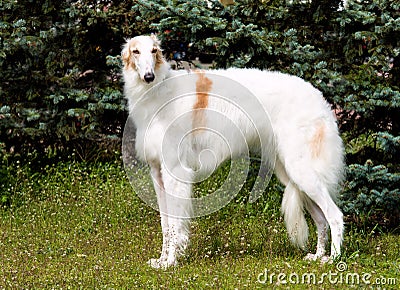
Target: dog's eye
135	51
154	50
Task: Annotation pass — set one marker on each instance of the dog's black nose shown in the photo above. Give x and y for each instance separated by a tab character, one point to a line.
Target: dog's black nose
149	77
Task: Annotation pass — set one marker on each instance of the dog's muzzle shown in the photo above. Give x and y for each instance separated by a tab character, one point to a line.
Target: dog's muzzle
149	77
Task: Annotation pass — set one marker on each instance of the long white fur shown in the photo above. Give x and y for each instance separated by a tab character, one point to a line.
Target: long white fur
297	111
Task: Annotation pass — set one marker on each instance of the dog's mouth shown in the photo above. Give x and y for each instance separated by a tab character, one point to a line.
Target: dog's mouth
149	77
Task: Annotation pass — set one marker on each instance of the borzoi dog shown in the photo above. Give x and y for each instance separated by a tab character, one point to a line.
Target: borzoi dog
302	139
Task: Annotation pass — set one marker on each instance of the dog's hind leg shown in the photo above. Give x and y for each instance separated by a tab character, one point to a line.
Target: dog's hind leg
315	212
309	183
332	214
322	227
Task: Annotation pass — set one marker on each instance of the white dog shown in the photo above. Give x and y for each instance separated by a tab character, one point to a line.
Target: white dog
184	135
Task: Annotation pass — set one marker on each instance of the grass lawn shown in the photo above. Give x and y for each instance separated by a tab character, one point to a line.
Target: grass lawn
76	225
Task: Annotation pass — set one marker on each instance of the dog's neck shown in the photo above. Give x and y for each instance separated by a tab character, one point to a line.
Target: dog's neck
162	72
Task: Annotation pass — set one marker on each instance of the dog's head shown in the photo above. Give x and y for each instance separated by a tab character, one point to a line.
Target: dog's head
144	55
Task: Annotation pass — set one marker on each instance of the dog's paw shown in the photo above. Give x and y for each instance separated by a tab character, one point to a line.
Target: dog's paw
315	257
161	263
311	257
326	259
155	263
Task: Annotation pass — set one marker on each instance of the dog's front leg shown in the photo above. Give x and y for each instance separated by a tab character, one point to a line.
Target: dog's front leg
161	200
174	200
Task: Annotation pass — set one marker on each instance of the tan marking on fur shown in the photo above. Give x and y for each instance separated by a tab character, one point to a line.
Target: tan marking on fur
159	58
317	140
127	53
203	87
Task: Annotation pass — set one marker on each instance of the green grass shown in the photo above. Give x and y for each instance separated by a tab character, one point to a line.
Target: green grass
77	225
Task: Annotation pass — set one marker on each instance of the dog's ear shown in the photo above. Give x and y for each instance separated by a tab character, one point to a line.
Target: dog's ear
159	56
155	39
126	52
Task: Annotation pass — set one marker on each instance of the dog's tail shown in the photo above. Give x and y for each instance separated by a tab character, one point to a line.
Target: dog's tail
292	210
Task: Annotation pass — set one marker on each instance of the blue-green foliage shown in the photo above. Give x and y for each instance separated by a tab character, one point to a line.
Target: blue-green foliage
58	88
372	191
